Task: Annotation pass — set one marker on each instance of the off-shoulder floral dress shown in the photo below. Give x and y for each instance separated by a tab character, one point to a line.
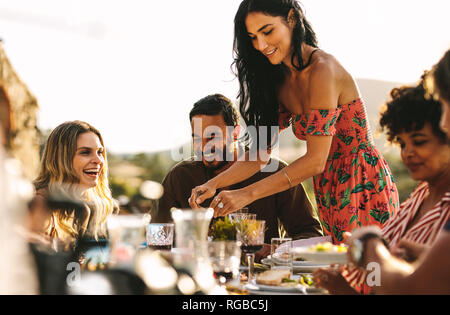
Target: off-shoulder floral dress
356	188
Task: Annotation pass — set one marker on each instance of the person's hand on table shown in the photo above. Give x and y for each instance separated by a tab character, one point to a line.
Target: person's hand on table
346	237
201	193
332	280
409	251
228	201
263	253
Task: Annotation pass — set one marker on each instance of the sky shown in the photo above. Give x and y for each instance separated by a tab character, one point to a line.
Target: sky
133	69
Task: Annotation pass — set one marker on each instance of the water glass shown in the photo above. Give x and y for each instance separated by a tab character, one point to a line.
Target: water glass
281	253
191	229
160	236
126	234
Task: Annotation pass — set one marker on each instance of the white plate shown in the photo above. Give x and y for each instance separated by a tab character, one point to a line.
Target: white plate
320	257
300	266
272	289
309	264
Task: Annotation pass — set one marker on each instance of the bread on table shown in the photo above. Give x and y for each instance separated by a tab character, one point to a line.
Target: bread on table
273	276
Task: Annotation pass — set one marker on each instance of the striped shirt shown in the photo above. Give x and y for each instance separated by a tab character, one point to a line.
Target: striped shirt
424	231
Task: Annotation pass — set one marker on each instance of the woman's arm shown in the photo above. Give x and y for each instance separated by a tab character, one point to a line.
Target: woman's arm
239	171
312	163
431	275
322	95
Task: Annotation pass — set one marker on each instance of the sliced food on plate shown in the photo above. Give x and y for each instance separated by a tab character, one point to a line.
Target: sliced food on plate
322	252
272	276
276	280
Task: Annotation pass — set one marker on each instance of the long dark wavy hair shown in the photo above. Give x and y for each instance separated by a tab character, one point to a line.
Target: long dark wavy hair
259	80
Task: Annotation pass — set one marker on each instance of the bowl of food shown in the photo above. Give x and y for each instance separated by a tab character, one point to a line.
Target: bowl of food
326	253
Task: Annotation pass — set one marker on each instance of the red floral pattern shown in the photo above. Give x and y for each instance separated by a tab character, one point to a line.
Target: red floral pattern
356	188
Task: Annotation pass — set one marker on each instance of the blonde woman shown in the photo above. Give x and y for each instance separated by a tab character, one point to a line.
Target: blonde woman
73	166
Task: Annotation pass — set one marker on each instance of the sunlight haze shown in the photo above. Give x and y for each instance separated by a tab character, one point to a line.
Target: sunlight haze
133	69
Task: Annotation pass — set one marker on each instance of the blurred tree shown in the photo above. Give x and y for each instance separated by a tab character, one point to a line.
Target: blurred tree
155	165
405	184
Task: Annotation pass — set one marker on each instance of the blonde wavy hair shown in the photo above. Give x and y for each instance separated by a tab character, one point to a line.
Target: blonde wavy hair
57	175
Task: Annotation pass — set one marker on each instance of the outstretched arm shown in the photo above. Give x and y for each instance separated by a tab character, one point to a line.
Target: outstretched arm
322	95
239	171
430	275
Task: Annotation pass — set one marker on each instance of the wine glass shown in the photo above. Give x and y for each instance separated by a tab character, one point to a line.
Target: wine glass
251	235
225	258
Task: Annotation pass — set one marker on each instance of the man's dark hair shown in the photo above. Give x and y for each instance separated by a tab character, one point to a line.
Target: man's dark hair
409	110
214	105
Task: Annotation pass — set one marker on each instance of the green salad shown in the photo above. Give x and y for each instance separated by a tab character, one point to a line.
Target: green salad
223	230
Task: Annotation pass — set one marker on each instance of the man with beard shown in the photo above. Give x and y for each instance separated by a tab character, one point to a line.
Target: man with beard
215	131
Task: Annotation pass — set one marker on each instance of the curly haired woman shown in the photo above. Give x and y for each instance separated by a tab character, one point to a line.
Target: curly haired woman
412	121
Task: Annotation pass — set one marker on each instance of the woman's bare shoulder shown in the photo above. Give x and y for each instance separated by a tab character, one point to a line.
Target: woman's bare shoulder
328	71
323	85
327	64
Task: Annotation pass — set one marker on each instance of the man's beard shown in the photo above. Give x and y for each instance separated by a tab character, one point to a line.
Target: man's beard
215	165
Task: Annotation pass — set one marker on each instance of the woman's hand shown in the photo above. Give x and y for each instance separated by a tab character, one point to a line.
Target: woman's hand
263	253
409	251
332	280
228	201
200	194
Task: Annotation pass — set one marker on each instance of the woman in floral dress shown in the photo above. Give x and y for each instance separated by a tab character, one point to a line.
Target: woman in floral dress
286	80
356	188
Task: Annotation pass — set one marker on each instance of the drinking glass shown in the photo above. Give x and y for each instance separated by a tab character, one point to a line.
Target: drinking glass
191	228
240	215
225	257
251	235
281	253
160	236
126	233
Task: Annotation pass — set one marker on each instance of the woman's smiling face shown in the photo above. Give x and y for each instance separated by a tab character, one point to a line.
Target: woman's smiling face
88	160
425	155
271	36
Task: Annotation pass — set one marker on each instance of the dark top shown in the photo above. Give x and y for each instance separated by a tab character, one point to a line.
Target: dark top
292	206
447	226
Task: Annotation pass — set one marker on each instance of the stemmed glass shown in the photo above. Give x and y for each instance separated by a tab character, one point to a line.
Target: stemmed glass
251	235
225	258
241	214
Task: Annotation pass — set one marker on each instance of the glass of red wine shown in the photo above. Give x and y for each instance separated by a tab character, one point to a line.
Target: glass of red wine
160	236
225	257
251	235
